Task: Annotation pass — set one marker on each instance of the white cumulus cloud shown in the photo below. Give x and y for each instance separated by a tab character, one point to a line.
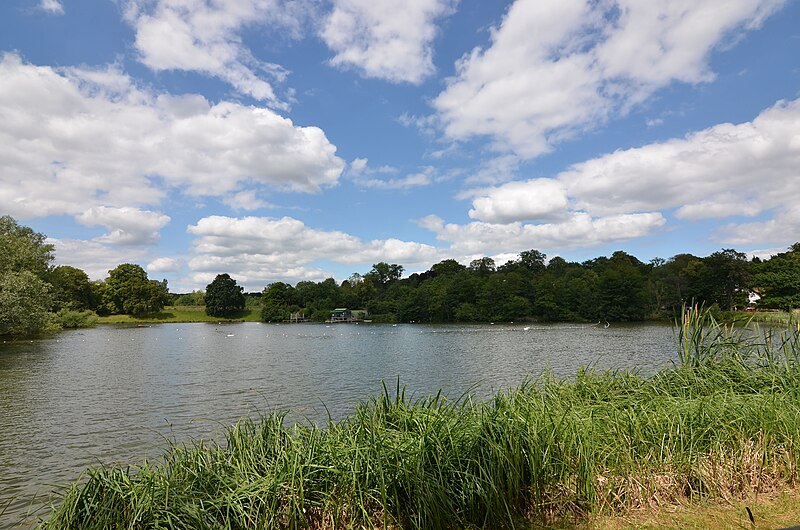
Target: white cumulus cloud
126	226
94	257
54	7
245	200
725	170
496	170
385	39
783	227
204	36
73	139
425	177
534	200
261	249
579	229
165	265
557	67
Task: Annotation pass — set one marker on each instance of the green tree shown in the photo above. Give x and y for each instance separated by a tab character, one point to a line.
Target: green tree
24	303
483	266
223	296
22	249
729	275
384	273
446	267
25	296
545	287
532	260
557	266
103	298
676	281
578	294
133	293
622	294
276	300
195	298
71	289
777	280
467	312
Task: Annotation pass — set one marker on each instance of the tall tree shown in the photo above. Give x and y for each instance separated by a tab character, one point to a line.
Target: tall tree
533	260
23	249
483	266
621	289
25	297
777	280
223	296
24	303
133	293
276	300
384	273
71	289
676	281
730	276
448	266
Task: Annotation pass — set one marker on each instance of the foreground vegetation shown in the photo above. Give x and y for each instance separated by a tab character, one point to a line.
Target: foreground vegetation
722	424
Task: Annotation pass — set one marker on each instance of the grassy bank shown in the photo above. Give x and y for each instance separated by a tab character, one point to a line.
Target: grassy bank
723	425
182	314
771	510
766	317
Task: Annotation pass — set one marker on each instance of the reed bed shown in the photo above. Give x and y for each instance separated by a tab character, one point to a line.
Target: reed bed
723	422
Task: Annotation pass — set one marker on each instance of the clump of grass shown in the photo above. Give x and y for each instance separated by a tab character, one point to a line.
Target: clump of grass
723	423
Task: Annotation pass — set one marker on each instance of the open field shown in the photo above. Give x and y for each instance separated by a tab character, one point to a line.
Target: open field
603	448
179	314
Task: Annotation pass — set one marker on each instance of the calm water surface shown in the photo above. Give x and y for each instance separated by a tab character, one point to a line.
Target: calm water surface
110	394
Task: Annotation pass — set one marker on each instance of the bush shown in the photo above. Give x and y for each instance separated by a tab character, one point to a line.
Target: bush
69	319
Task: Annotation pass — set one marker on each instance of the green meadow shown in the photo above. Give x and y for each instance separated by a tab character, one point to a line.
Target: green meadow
182	314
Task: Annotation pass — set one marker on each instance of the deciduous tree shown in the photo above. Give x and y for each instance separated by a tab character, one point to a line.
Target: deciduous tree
729	276
223	296
276	299
777	280
133	293
24	303
23	249
71	289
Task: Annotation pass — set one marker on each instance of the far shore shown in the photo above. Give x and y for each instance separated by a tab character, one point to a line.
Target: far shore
182	315
192	314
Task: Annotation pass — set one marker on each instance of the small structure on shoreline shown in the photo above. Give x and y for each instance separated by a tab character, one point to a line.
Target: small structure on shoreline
343	315
296	318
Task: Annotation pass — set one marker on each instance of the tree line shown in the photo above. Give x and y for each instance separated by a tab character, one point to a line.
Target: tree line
615	288
36	296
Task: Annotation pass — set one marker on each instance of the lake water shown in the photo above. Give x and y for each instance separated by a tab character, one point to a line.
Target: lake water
113	394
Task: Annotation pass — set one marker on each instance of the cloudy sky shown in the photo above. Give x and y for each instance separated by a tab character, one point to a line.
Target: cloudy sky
301	139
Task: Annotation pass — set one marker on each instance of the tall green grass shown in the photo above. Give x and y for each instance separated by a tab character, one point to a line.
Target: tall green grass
722	422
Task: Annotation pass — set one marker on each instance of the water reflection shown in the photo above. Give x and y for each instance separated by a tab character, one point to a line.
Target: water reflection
114	394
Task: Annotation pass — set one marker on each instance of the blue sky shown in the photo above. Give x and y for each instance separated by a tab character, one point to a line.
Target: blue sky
298	140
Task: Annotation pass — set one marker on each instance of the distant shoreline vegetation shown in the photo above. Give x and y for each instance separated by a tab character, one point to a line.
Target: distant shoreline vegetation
38	298
722	424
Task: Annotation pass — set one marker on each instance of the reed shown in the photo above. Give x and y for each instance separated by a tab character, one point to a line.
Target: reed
723	422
